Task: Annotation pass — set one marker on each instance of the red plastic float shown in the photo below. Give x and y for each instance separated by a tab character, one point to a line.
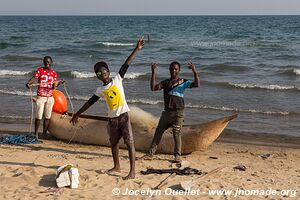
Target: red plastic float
60	102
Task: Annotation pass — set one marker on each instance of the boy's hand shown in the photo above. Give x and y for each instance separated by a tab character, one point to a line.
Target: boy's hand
28	85
191	66
74	119
140	43
153	67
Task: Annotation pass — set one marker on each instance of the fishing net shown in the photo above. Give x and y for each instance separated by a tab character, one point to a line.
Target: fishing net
19	139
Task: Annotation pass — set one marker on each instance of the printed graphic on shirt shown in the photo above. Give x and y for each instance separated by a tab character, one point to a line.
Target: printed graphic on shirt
179	89
45	81
113	97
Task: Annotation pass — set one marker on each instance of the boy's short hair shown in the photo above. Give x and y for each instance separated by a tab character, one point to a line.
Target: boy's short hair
47	57
98	65
175	63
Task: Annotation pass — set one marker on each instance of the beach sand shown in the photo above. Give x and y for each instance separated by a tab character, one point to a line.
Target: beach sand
28	171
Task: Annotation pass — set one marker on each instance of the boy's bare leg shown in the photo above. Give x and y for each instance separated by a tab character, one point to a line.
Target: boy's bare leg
46	126
36	127
115	154
131	151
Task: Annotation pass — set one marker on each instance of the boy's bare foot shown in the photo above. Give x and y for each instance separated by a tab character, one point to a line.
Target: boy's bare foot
177	159
115	169
129	176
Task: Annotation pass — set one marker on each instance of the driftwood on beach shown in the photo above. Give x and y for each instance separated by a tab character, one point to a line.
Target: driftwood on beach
92	130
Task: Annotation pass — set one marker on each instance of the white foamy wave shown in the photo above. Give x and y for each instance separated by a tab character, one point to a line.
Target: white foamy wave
223	108
14	117
141	101
297	71
116	44
83	75
257	86
76	97
13	73
133	75
17	92
144	101
129	75
77	74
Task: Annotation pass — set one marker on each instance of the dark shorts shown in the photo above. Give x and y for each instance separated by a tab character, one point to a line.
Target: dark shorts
120	127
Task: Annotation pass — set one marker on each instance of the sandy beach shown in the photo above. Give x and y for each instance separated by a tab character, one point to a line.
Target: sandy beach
28	171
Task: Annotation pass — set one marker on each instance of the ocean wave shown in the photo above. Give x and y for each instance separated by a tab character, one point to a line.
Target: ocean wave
133	101
134	75
145	101
17	92
224	67
4	45
74	74
19	37
77	97
258	86
85	98
66	50
156	102
296	71
13	73
251	86
20	58
27	93
14	117
289	70
116	44
83	75
224	108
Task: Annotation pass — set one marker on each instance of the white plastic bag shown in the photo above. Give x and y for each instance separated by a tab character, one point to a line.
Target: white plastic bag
74	177
67	175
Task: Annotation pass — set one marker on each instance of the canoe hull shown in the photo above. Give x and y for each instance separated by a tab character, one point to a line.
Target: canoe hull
93	131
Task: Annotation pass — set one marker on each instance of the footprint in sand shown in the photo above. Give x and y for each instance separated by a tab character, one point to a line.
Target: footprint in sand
59	156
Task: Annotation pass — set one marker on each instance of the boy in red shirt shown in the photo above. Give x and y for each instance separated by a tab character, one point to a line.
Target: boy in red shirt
47	80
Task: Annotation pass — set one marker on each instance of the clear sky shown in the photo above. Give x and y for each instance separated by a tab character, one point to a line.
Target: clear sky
150	7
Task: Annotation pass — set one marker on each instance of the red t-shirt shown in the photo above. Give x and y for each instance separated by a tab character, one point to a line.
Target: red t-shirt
45	77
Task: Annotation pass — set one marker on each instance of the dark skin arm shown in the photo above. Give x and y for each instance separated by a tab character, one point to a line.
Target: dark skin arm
153	85
55	84
196	82
58	83
30	82
138	47
131	57
87	104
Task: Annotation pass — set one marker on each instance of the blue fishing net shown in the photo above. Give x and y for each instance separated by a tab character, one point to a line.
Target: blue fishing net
19	139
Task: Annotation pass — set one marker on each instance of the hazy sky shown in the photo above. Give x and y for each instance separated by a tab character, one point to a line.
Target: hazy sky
150	7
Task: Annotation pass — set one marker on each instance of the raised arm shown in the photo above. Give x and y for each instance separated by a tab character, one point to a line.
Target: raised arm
153	84
196	82
131	57
87	104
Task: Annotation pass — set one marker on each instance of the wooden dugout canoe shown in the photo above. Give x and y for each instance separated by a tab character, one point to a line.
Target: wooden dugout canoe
92	130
